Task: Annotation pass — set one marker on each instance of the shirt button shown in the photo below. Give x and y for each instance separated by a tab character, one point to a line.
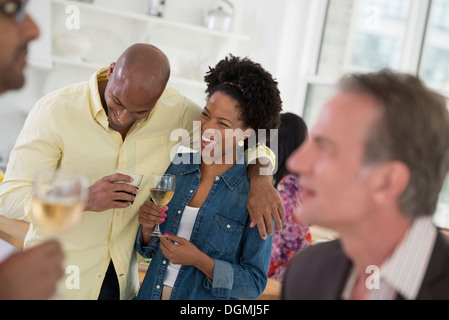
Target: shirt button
179	211
228	226
164	262
158	287
191	191
217	178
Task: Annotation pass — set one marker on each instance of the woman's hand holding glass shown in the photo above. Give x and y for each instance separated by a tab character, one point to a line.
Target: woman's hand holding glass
149	215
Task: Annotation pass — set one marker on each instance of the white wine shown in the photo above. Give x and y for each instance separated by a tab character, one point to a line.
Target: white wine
162	191
161	197
56	217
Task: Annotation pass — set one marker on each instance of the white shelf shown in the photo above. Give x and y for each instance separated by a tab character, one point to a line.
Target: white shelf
150	26
76	63
95	66
154	21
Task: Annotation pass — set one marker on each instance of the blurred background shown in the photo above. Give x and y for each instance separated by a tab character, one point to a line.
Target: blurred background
306	44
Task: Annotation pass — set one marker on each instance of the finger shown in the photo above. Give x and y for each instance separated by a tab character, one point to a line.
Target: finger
119	177
278	221
174	238
280	218
49	248
163	209
149	207
150	222
123	196
253	223
165	245
261	227
268	220
124	187
282	212
153	215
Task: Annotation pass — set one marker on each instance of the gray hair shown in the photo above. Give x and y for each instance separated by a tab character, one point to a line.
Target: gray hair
413	129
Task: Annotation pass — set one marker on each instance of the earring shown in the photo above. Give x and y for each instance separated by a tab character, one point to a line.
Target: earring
241	143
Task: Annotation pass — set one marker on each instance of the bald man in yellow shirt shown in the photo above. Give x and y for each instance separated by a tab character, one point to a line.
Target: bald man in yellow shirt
121	119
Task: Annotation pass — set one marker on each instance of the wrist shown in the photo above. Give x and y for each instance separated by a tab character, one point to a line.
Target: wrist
263	179
205	264
260	172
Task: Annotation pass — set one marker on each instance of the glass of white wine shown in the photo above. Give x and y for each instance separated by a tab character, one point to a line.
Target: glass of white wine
162	189
58	200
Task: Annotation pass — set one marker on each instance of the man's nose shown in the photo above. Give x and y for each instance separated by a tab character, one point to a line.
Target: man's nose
124	116
29	28
299	160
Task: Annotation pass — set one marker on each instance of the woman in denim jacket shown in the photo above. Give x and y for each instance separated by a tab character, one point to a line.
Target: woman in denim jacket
210	251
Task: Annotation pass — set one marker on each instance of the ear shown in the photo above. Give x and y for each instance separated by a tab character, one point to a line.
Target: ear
111	70
389	181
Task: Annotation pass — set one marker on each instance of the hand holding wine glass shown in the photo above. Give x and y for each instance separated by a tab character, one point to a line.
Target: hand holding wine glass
58	200
162	189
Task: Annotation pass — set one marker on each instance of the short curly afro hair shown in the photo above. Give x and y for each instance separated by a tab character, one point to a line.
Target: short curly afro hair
252	87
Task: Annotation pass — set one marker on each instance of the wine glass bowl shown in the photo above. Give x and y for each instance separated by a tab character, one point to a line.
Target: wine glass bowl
58	200
162	189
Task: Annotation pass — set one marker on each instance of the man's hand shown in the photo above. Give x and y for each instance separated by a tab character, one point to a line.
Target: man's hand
33	274
111	192
264	206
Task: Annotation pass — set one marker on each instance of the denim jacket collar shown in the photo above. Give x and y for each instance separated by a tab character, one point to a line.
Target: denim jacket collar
231	177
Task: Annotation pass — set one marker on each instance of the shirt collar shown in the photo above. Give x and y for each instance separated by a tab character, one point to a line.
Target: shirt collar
403	272
96	105
191	161
406	267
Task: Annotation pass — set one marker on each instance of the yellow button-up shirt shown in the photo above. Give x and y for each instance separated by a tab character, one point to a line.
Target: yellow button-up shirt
69	129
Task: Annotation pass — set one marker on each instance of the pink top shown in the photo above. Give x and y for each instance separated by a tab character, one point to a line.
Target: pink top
293	237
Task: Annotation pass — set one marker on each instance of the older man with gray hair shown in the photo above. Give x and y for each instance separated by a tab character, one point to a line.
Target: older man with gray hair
373	172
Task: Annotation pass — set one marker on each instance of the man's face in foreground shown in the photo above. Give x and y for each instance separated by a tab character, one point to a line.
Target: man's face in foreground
15	36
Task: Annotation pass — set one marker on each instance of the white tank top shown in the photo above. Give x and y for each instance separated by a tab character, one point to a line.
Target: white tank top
185	231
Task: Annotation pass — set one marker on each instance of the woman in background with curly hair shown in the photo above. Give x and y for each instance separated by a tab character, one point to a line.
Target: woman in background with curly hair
210	251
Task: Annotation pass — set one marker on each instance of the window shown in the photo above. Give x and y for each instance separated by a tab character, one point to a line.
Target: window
363	35
434	67
368	35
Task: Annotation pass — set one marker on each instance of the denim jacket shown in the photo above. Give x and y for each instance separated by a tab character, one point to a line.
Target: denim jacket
222	231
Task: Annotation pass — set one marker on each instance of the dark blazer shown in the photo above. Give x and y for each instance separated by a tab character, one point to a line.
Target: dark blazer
320	273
